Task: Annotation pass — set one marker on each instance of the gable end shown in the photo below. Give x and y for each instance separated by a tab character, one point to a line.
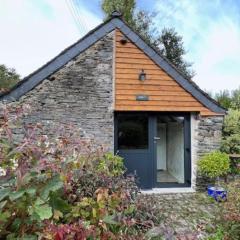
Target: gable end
31	81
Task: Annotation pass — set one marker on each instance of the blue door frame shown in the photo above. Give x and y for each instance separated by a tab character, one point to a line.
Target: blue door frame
143	162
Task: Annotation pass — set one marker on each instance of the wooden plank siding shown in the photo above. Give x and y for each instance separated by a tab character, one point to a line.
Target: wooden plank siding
164	93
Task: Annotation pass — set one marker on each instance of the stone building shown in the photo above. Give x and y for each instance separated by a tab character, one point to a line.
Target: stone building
122	93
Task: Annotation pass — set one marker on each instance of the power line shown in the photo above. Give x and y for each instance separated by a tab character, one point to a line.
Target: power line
82	19
74	10
78	14
75	17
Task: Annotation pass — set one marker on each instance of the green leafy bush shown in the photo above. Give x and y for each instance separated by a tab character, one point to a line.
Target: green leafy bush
217	235
8	77
214	164
231	132
111	165
27	202
63	188
235	166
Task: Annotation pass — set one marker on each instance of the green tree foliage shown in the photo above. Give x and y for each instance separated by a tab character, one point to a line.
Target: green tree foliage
173	49
235	104
144	25
8	77
224	98
171	46
228	99
167	42
231	132
126	7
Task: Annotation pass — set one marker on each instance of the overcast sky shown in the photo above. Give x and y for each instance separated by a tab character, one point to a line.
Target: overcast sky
34	31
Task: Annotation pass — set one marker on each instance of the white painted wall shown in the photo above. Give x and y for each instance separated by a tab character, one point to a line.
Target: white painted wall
175	151
161	146
194	145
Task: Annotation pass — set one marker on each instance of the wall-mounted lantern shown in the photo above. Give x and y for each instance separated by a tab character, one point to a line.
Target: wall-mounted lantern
142	76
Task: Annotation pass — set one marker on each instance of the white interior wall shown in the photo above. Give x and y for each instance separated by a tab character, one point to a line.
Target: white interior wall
175	151
161	147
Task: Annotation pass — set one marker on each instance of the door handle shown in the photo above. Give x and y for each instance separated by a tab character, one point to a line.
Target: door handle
157	138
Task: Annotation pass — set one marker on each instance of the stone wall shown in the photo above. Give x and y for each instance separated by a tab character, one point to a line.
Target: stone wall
79	94
207	133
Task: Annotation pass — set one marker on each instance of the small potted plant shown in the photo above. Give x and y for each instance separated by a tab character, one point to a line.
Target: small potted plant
214	165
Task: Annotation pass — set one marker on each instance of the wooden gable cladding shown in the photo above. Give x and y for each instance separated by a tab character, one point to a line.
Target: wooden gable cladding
164	93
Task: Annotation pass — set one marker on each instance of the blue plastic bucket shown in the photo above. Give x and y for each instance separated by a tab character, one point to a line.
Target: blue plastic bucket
219	194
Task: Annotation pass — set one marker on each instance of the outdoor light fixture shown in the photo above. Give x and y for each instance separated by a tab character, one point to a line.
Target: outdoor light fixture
142	76
123	40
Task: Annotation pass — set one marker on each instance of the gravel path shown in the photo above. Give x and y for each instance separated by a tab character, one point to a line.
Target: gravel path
183	216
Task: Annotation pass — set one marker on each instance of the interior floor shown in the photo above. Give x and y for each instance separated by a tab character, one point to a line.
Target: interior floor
165	177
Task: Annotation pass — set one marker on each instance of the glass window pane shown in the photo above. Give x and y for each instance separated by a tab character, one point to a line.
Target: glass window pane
132	132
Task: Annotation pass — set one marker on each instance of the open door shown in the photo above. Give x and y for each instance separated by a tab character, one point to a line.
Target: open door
172	150
155	147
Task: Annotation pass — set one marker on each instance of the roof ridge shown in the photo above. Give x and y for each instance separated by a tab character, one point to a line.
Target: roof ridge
35	78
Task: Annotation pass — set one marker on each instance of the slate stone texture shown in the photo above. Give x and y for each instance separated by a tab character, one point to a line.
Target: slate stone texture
80	94
208	137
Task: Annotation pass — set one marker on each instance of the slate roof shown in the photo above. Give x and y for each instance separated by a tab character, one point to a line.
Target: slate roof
35	78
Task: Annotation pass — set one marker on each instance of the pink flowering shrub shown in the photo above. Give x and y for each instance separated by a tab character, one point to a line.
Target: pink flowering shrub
62	187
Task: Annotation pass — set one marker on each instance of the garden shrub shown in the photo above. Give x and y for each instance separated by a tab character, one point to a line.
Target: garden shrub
214	164
227	223
235	166
231	133
111	165
62	188
231	138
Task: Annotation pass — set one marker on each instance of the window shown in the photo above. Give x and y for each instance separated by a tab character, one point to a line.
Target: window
132	132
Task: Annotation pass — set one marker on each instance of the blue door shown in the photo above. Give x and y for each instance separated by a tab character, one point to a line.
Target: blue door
156	147
133	142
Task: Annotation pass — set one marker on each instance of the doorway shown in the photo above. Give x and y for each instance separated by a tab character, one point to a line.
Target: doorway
155	147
